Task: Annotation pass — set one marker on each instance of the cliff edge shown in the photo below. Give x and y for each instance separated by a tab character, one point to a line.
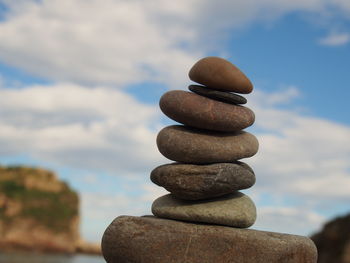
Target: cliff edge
38	212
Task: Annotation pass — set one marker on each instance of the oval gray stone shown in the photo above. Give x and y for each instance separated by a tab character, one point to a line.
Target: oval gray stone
201	112
188	145
154	240
194	182
236	210
224	96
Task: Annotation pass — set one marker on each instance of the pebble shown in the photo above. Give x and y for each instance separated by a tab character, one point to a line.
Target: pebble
200	112
236	210
195	182
193	146
154	240
220	74
223	96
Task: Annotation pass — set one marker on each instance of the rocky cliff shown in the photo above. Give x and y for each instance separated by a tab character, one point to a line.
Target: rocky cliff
333	242
38	212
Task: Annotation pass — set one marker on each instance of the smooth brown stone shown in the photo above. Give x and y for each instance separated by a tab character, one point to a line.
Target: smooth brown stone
236	210
200	112
195	182
220	74
187	145
153	240
224	96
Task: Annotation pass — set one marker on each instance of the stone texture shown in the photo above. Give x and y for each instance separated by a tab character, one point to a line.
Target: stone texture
194	182
333	241
47	221
236	210
223	96
204	113
153	240
220	74
188	145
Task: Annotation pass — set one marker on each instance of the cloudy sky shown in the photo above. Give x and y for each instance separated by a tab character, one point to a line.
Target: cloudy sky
80	82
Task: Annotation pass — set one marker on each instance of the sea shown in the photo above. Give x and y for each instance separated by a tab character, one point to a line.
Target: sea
48	258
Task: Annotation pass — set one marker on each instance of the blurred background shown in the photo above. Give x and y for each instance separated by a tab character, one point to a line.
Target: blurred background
80	82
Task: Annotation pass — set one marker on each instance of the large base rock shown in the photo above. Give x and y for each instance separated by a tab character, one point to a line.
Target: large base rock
154	240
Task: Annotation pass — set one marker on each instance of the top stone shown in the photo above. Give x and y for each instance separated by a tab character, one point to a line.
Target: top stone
220	74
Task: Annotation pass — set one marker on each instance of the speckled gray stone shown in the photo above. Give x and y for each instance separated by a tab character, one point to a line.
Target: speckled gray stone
201	112
224	96
187	145
154	240
236	210
194	182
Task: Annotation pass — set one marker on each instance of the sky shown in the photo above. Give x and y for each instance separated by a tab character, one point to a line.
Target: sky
80	82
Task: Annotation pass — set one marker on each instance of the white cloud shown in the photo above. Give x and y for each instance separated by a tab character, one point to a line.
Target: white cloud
300	156
152	192
290	220
343	5
335	39
285	96
114	43
96	128
118	43
99	209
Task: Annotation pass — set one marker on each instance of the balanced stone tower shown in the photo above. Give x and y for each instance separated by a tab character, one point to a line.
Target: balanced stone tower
204	217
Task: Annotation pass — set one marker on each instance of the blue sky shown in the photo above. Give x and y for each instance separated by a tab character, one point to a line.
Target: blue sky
288	52
80	83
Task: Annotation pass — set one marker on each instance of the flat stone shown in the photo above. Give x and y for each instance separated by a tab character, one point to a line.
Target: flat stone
188	145
200	112
220	74
194	182
223	96
236	210
154	240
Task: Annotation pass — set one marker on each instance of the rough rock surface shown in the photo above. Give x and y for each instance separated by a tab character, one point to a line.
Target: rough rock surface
236	210
188	145
38	212
194	182
201	112
154	240
224	96
333	242
220	74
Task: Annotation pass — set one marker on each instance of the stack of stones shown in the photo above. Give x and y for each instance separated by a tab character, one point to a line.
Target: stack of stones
204	217
207	175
